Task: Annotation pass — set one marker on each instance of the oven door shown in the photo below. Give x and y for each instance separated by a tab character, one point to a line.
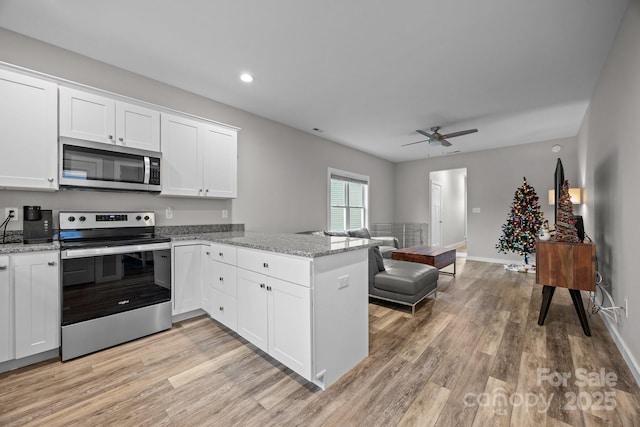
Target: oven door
98	282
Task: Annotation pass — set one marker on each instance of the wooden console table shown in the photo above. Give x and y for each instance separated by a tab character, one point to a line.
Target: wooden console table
566	265
432	255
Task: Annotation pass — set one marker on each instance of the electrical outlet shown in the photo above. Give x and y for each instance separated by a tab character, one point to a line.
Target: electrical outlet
168	213
16	214
225	213
626	308
343	282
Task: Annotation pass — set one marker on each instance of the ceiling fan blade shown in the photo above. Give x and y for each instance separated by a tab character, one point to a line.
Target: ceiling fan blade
445	143
462	132
428	135
417	142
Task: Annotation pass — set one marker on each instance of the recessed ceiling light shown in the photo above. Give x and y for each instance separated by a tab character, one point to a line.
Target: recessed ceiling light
246	77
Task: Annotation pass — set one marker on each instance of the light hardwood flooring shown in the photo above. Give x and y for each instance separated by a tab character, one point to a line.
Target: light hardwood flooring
471	357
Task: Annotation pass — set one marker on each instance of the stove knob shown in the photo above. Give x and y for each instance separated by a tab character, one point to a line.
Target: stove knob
138	218
71	218
146	217
82	218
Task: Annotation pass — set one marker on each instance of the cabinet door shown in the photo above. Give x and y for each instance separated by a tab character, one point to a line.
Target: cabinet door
187	283
252	308
37	306
181	156
290	325
6	325
28	107
87	116
220	162
224	309
137	127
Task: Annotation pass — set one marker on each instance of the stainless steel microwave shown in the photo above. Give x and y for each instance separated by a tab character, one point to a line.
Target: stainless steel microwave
88	164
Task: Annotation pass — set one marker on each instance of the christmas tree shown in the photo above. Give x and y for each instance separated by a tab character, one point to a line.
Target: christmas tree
566	224
523	223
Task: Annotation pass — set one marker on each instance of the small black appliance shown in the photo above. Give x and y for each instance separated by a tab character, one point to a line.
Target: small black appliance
37	225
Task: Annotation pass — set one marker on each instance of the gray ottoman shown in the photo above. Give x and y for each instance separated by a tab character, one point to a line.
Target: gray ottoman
404	282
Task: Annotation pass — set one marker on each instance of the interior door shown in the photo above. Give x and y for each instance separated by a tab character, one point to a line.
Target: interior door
436	214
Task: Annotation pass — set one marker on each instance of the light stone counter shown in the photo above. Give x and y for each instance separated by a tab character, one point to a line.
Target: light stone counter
16	248
304	245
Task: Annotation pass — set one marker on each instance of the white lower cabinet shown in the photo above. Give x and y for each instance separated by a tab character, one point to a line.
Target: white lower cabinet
310	314
187	278
6	324
220	284
275	315
37	302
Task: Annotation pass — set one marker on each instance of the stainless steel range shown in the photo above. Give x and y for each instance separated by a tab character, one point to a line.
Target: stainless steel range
116	279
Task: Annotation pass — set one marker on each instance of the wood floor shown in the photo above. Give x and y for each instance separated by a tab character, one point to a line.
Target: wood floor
474	356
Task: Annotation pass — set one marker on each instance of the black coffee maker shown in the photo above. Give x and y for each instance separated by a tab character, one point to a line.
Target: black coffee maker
37	224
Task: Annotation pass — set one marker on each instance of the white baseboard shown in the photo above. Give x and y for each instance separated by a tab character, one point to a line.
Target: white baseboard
494	260
622	346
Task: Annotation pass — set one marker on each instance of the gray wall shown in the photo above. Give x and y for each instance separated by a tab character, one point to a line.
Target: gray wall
609	154
492	179
282	172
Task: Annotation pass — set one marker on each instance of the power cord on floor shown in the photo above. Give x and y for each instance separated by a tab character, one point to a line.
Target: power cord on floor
611	310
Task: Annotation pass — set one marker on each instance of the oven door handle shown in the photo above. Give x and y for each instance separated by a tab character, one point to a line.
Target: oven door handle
112	250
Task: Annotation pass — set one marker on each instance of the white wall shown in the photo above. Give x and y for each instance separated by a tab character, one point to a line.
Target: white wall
492	179
453	184
609	155
282	172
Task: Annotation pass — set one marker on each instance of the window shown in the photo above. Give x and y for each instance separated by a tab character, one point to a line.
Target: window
348	200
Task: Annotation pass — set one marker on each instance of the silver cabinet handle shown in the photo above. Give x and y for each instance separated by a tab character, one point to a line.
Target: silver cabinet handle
268	288
220	254
222	279
265	264
110	136
50	179
120	139
208	253
221	308
262	285
3	267
51	263
206	191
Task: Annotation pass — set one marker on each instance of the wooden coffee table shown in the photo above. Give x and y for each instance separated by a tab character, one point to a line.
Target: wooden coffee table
436	256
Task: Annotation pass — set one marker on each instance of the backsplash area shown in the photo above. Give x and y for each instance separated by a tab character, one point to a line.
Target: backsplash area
198	229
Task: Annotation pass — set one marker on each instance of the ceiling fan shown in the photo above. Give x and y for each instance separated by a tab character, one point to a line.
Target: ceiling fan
438	137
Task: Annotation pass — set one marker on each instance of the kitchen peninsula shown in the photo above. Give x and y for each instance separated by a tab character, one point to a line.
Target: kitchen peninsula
302	299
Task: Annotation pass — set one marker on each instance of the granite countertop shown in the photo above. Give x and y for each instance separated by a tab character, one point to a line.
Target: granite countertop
304	245
16	248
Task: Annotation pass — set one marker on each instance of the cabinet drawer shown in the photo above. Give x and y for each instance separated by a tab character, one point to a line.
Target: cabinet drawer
223	308
296	270
222	253
223	277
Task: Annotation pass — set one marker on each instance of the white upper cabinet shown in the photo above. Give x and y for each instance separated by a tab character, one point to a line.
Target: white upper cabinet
181	156
199	158
99	118
220	162
28	112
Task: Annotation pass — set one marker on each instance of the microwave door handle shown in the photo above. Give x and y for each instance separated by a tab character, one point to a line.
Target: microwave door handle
147	169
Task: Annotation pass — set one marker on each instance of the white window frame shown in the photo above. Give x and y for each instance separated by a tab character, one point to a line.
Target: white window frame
349	176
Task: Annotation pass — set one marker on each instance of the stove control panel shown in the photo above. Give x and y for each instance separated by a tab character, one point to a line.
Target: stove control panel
84	220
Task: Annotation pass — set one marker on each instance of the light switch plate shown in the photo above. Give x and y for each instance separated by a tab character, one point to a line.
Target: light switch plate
475	210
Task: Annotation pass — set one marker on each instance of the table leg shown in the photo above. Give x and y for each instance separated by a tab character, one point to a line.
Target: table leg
577	303
547	295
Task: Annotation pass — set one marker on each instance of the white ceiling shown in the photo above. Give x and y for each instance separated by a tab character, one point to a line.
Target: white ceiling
368	73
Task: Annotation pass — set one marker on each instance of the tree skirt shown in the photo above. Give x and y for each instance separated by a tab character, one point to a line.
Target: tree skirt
521	268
